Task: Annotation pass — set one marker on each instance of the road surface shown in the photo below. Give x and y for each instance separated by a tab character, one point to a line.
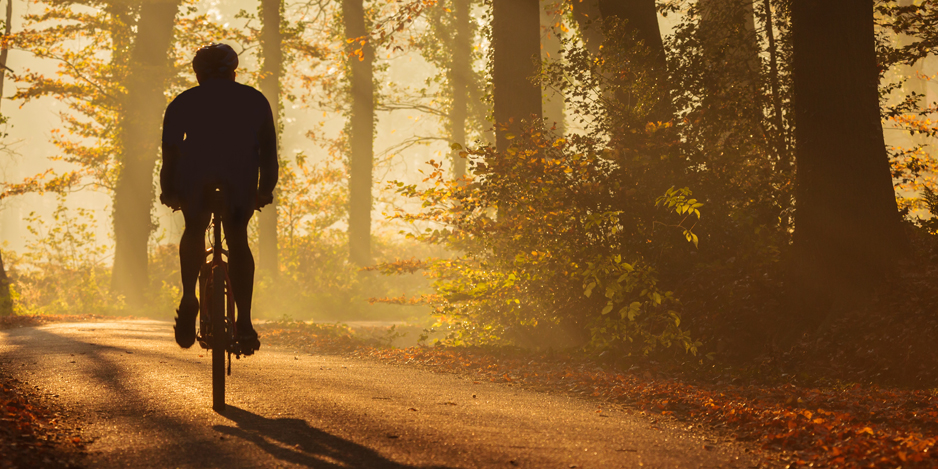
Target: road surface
144	402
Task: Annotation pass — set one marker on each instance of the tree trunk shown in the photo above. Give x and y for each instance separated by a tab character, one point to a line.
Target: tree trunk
461	70
641	19
271	71
6	300
516	41
550	50
5	52
361	131
150	70
589	21
640	15
781	143
847	225
730	26
732	73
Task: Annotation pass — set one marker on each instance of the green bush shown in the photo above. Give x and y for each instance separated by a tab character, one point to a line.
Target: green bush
63	269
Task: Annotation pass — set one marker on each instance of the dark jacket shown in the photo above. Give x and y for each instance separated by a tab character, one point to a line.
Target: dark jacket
219	132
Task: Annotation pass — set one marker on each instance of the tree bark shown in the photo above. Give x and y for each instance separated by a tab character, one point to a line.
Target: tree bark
6	300
847	225
516	41
642	18
461	75
781	144
5	52
151	67
550	50
271	71
361	131
589	22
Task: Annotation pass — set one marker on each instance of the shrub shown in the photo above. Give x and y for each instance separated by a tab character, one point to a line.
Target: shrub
539	231
63	269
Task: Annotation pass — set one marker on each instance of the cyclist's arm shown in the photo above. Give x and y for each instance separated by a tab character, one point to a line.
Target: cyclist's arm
172	143
269	165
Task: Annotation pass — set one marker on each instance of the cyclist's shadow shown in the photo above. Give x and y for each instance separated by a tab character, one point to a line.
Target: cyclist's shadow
294	441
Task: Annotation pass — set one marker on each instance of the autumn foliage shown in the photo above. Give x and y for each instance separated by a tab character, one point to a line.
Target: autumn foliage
545	245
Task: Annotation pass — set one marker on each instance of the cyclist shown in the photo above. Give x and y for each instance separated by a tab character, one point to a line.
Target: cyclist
220	133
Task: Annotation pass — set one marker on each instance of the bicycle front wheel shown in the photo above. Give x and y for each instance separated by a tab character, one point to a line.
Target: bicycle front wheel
219	338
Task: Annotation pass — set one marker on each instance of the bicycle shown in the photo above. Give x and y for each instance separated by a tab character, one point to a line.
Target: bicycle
217	325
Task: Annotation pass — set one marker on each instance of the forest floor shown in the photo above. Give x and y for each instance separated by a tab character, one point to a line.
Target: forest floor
821	424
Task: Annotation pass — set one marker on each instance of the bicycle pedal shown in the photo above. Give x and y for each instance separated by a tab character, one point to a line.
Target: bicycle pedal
247	352
204	344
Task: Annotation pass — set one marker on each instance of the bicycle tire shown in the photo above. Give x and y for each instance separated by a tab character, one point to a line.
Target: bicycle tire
219	338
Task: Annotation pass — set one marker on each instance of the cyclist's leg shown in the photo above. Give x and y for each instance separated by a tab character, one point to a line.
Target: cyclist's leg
192	250
241	266
191	257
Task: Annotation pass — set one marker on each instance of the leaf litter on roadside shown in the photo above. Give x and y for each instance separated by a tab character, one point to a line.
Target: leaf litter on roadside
33	435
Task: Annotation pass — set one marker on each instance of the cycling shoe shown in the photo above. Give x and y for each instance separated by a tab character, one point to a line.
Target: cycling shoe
185	322
247	341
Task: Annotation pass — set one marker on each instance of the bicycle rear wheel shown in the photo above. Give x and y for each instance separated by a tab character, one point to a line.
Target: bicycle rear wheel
219	338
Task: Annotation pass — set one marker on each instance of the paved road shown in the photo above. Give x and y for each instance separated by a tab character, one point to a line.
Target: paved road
147	403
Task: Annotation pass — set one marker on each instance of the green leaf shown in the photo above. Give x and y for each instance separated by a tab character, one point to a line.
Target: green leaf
589	289
608	308
634	309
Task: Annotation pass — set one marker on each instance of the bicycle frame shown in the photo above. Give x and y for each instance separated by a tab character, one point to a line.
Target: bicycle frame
217	325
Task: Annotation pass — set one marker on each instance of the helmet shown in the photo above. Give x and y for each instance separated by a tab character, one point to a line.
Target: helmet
215	60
